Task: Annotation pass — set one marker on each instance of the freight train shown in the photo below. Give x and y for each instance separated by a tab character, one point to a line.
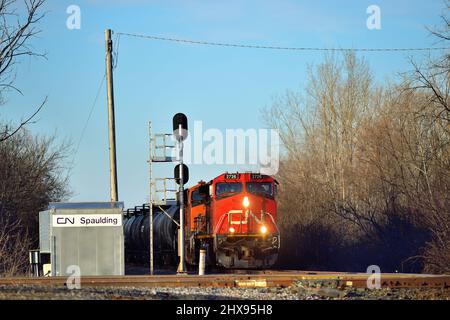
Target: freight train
233	217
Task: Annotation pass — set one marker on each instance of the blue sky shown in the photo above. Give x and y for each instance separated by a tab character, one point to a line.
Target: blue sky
223	87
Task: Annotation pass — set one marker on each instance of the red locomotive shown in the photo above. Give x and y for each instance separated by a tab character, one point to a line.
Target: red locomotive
234	217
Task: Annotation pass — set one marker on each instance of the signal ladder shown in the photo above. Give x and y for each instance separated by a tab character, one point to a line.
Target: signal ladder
162	190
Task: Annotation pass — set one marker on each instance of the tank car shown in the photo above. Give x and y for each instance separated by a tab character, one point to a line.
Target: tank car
137	234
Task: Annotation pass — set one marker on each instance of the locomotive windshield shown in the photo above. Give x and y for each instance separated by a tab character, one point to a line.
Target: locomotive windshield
225	189
260	188
197	197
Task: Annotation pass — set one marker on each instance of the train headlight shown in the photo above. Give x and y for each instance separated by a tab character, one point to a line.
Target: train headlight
263	229
246	202
231	230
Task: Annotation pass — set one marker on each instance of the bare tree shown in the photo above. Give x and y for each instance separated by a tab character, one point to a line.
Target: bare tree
443	32
33	173
365	169
17	28
319	130
434	76
364	175
14	247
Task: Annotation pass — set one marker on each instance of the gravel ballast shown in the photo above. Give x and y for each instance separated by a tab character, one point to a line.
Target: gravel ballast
297	292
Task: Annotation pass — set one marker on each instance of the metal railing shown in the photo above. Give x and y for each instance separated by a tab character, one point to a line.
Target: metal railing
162	190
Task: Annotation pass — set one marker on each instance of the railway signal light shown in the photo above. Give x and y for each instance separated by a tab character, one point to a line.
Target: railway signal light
180	120
181	173
176	173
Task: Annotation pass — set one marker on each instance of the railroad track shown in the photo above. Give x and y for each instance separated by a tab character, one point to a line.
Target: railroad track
256	279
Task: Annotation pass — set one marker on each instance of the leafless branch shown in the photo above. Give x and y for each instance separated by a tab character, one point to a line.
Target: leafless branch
8	134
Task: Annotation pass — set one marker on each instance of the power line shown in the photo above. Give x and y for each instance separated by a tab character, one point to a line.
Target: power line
89	117
250	46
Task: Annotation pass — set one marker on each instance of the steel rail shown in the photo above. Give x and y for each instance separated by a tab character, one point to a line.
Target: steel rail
264	279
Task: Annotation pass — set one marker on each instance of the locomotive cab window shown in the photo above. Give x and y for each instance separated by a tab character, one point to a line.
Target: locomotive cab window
198	198
264	189
226	189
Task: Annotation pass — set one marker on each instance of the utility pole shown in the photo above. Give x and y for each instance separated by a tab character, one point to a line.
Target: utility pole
111	119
